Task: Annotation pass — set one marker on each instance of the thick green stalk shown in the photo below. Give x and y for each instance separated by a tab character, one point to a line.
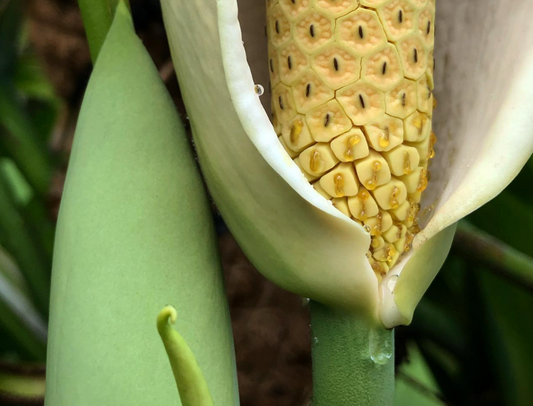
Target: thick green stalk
353	361
97	18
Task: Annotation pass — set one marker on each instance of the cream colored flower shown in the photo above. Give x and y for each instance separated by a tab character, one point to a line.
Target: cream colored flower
295	237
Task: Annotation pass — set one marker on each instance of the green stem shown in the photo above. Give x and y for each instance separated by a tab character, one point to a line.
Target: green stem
97	18
353	360
495	254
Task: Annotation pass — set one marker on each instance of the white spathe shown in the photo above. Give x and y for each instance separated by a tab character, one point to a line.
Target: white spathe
484	85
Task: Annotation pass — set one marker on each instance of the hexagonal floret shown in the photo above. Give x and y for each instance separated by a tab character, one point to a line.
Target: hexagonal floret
310	91
402	100
402	160
380	223
362	206
350	146
413	55
417	127
416	181
362	102
383	69
426	27
425	96
337	66
317	159
279	27
313	30
391	195
283	103
341	181
399	19
373	171
296	134
273	66
294	8
360	31
336	8
385	134
292	62
327	121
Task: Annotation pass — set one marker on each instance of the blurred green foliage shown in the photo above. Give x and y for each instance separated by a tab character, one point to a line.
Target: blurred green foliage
469	341
28	113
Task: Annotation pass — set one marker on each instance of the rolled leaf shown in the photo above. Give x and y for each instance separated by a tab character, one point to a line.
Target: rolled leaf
134	234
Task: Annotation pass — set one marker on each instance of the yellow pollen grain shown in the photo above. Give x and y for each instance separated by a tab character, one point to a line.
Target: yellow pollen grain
314	163
384	138
339	184
296	130
432	143
423	183
372	182
406	163
350	143
394	204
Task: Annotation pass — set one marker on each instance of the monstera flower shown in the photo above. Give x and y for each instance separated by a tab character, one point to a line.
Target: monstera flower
295	237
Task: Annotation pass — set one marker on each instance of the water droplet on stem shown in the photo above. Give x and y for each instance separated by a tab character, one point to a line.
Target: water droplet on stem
380	345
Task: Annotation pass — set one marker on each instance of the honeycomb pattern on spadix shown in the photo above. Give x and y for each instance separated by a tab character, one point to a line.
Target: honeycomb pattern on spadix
352	101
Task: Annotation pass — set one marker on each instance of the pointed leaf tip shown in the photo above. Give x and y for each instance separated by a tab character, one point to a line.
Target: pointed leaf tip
192	387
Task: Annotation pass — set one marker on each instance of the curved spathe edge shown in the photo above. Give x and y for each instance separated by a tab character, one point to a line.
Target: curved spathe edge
507	149
256	122
403	287
253	116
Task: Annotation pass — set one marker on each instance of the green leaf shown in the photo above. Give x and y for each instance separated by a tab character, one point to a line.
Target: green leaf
97	18
22	327
510	333
509	219
415	384
17	238
32	81
135	233
20	141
